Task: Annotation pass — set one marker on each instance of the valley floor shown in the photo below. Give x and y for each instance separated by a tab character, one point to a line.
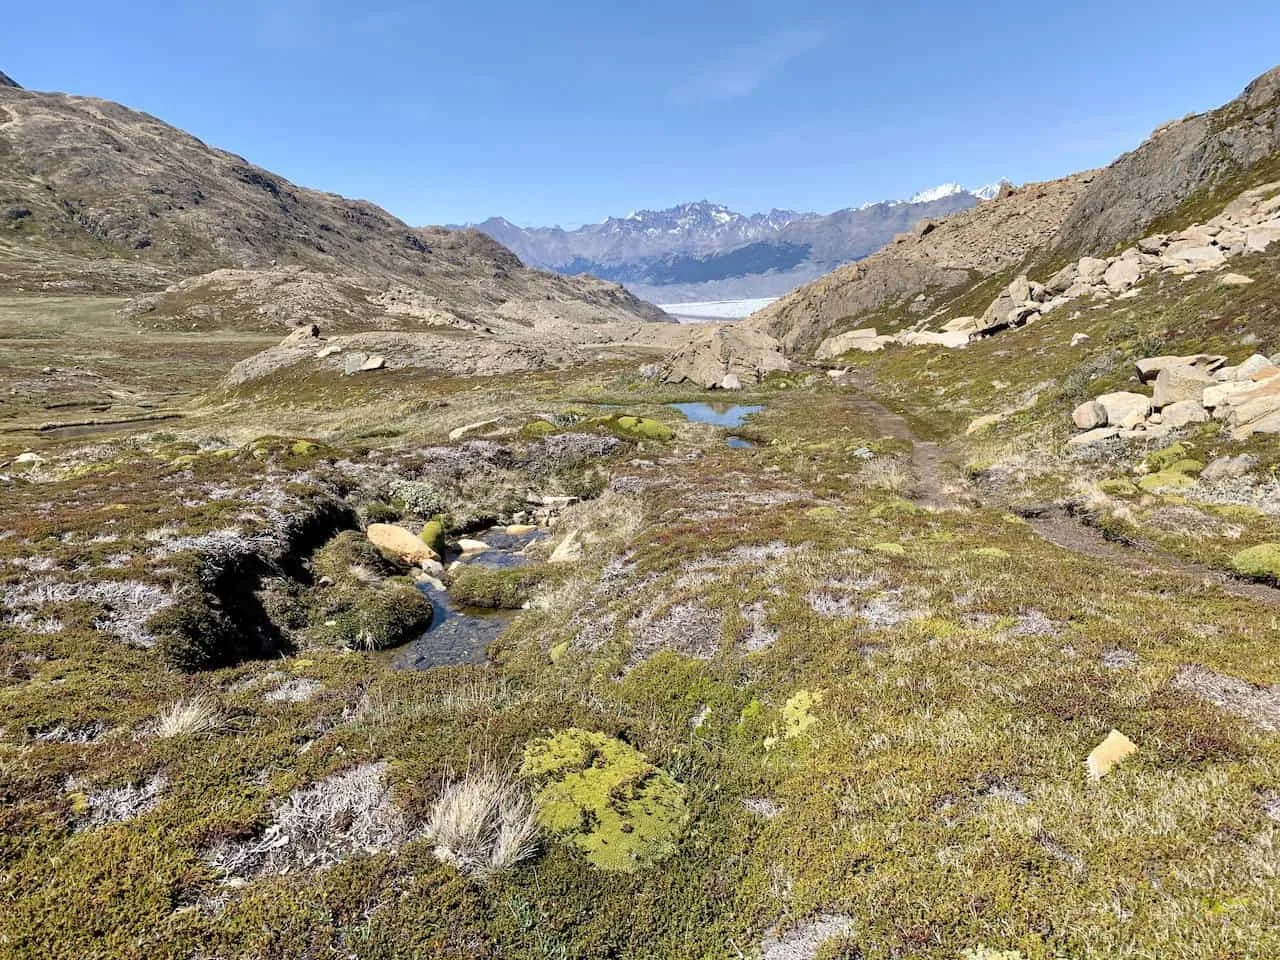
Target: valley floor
827	693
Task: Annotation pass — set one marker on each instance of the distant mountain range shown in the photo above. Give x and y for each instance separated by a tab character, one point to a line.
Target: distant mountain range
705	251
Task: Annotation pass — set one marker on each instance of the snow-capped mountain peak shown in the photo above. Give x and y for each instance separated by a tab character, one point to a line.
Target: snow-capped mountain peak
940	192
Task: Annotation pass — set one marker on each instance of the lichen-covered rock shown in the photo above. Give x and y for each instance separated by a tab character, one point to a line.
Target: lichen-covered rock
637	428
1165	458
797	716
1166	480
605	798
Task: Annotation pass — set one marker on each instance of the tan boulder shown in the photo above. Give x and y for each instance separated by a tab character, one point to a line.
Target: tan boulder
927	338
714	353
1193	252
1150	367
1122	275
1259	238
1125	409
1255	411
1177	383
1094	436
569	550
1061	281
399	542
1268	423
1089	415
960	325
1218	394
1257	367
839	345
1105	756
1182	413
1090	270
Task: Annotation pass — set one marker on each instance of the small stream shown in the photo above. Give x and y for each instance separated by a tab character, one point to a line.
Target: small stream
462	634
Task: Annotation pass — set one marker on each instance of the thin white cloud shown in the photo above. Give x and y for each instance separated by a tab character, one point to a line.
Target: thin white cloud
742	71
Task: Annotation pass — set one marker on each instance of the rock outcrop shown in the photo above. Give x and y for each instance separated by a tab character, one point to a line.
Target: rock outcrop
1178	160
725	356
1250	223
1187	390
957	250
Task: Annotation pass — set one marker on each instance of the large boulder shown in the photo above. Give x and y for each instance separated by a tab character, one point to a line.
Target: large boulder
961	325
1122	275
1124	409
399	542
1255	365
1182	413
714	353
1193	252
1061	281
1178	383
1003	310
927	338
1091	270
1255	411
842	343
1218	394
1150	367
1259	238
1089	415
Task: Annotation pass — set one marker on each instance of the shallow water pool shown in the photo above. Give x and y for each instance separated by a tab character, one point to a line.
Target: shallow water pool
728	415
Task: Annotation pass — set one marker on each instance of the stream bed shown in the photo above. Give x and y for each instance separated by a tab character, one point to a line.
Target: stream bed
461	634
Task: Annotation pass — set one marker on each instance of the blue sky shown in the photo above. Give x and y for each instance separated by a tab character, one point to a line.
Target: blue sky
567	112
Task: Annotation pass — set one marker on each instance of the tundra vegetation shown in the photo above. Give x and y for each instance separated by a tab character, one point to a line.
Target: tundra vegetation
878	686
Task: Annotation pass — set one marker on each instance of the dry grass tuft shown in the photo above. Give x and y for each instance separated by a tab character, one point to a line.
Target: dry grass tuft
483	823
890	474
198	714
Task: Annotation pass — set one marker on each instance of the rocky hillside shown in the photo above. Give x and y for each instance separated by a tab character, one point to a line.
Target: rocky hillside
1184	174
95	195
1202	155
705	251
936	256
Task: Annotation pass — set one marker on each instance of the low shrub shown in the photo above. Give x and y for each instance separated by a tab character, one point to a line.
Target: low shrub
381	616
477	586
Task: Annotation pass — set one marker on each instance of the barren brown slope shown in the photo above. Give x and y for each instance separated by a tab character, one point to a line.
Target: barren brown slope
95	194
956	251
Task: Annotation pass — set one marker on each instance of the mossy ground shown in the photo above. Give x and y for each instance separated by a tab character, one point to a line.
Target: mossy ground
865	707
